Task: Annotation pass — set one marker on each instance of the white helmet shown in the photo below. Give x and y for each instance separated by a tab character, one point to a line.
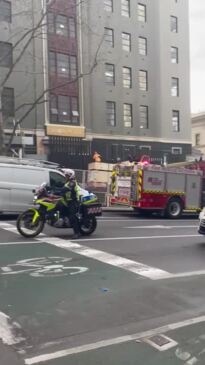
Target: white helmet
69	173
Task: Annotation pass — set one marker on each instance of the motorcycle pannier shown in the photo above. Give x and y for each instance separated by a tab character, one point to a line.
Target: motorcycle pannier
92	209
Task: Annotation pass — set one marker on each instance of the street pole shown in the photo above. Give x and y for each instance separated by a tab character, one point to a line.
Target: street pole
2	146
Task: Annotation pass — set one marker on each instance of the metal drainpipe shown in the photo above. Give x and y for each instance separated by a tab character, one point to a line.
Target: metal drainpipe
80	55
45	62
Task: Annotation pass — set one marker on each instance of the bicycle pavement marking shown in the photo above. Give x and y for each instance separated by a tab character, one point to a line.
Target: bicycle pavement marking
135	267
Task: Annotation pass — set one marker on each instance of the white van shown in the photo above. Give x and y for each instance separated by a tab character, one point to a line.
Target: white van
18	178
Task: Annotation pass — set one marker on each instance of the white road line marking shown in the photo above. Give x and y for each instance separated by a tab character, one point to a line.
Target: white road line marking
138	238
160	227
141	221
116	220
187	274
110	259
11	228
18	243
8	329
112	341
4	224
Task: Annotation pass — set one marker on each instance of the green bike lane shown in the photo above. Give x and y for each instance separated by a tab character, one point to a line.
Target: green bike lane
61	300
54	294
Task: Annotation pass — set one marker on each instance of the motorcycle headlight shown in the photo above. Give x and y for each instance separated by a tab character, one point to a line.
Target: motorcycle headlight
35	198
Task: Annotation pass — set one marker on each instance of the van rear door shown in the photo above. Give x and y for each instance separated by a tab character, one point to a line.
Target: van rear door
24	180
5	191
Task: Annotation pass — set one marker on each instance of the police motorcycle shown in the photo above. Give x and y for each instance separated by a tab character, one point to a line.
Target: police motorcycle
45	211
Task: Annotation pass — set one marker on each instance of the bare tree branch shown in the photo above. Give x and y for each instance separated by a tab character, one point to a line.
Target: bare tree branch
49	90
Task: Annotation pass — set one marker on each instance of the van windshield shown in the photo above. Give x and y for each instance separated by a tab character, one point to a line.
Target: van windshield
56	179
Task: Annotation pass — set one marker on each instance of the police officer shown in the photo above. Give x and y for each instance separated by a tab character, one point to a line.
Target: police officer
70	193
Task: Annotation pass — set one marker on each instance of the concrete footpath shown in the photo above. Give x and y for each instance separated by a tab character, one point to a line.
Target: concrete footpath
118	209
9	356
184	346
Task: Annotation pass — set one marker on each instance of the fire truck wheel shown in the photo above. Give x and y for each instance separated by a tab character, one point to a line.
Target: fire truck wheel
174	208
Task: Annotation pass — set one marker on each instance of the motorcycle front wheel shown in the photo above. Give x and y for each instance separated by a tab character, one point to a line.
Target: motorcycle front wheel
26	227
88	225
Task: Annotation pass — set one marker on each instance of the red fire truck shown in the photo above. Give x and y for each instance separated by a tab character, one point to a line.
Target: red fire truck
151	188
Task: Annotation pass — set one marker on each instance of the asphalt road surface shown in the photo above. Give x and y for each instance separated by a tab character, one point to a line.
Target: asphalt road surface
131	293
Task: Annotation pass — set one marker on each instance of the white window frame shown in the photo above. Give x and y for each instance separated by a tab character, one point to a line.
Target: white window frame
142	13
144	123
175	149
175	86
109	37
143	80
127	77
145	147
125	8
110	74
127	118
174	51
108	5
142	46
174	24
126	42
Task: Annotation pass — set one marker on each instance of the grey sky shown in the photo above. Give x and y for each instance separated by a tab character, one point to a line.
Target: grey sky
197	49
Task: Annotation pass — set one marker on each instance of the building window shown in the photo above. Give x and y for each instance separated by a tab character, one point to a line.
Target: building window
175	87
109	37
108	5
143	117
111	113
197	139
127	77
126	42
175	121
115	152
64	109
146	149
125	8
110	74
142	13
8	104
52	62
142	46
5	11
143	80
71	28
127	115
63	65
6	54
73	67
174	55
51	23
176	150
174	24
61	25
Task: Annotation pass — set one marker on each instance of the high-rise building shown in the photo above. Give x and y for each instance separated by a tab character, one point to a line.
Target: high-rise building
114	76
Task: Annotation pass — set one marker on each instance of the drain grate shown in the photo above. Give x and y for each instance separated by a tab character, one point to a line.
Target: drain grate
160	342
